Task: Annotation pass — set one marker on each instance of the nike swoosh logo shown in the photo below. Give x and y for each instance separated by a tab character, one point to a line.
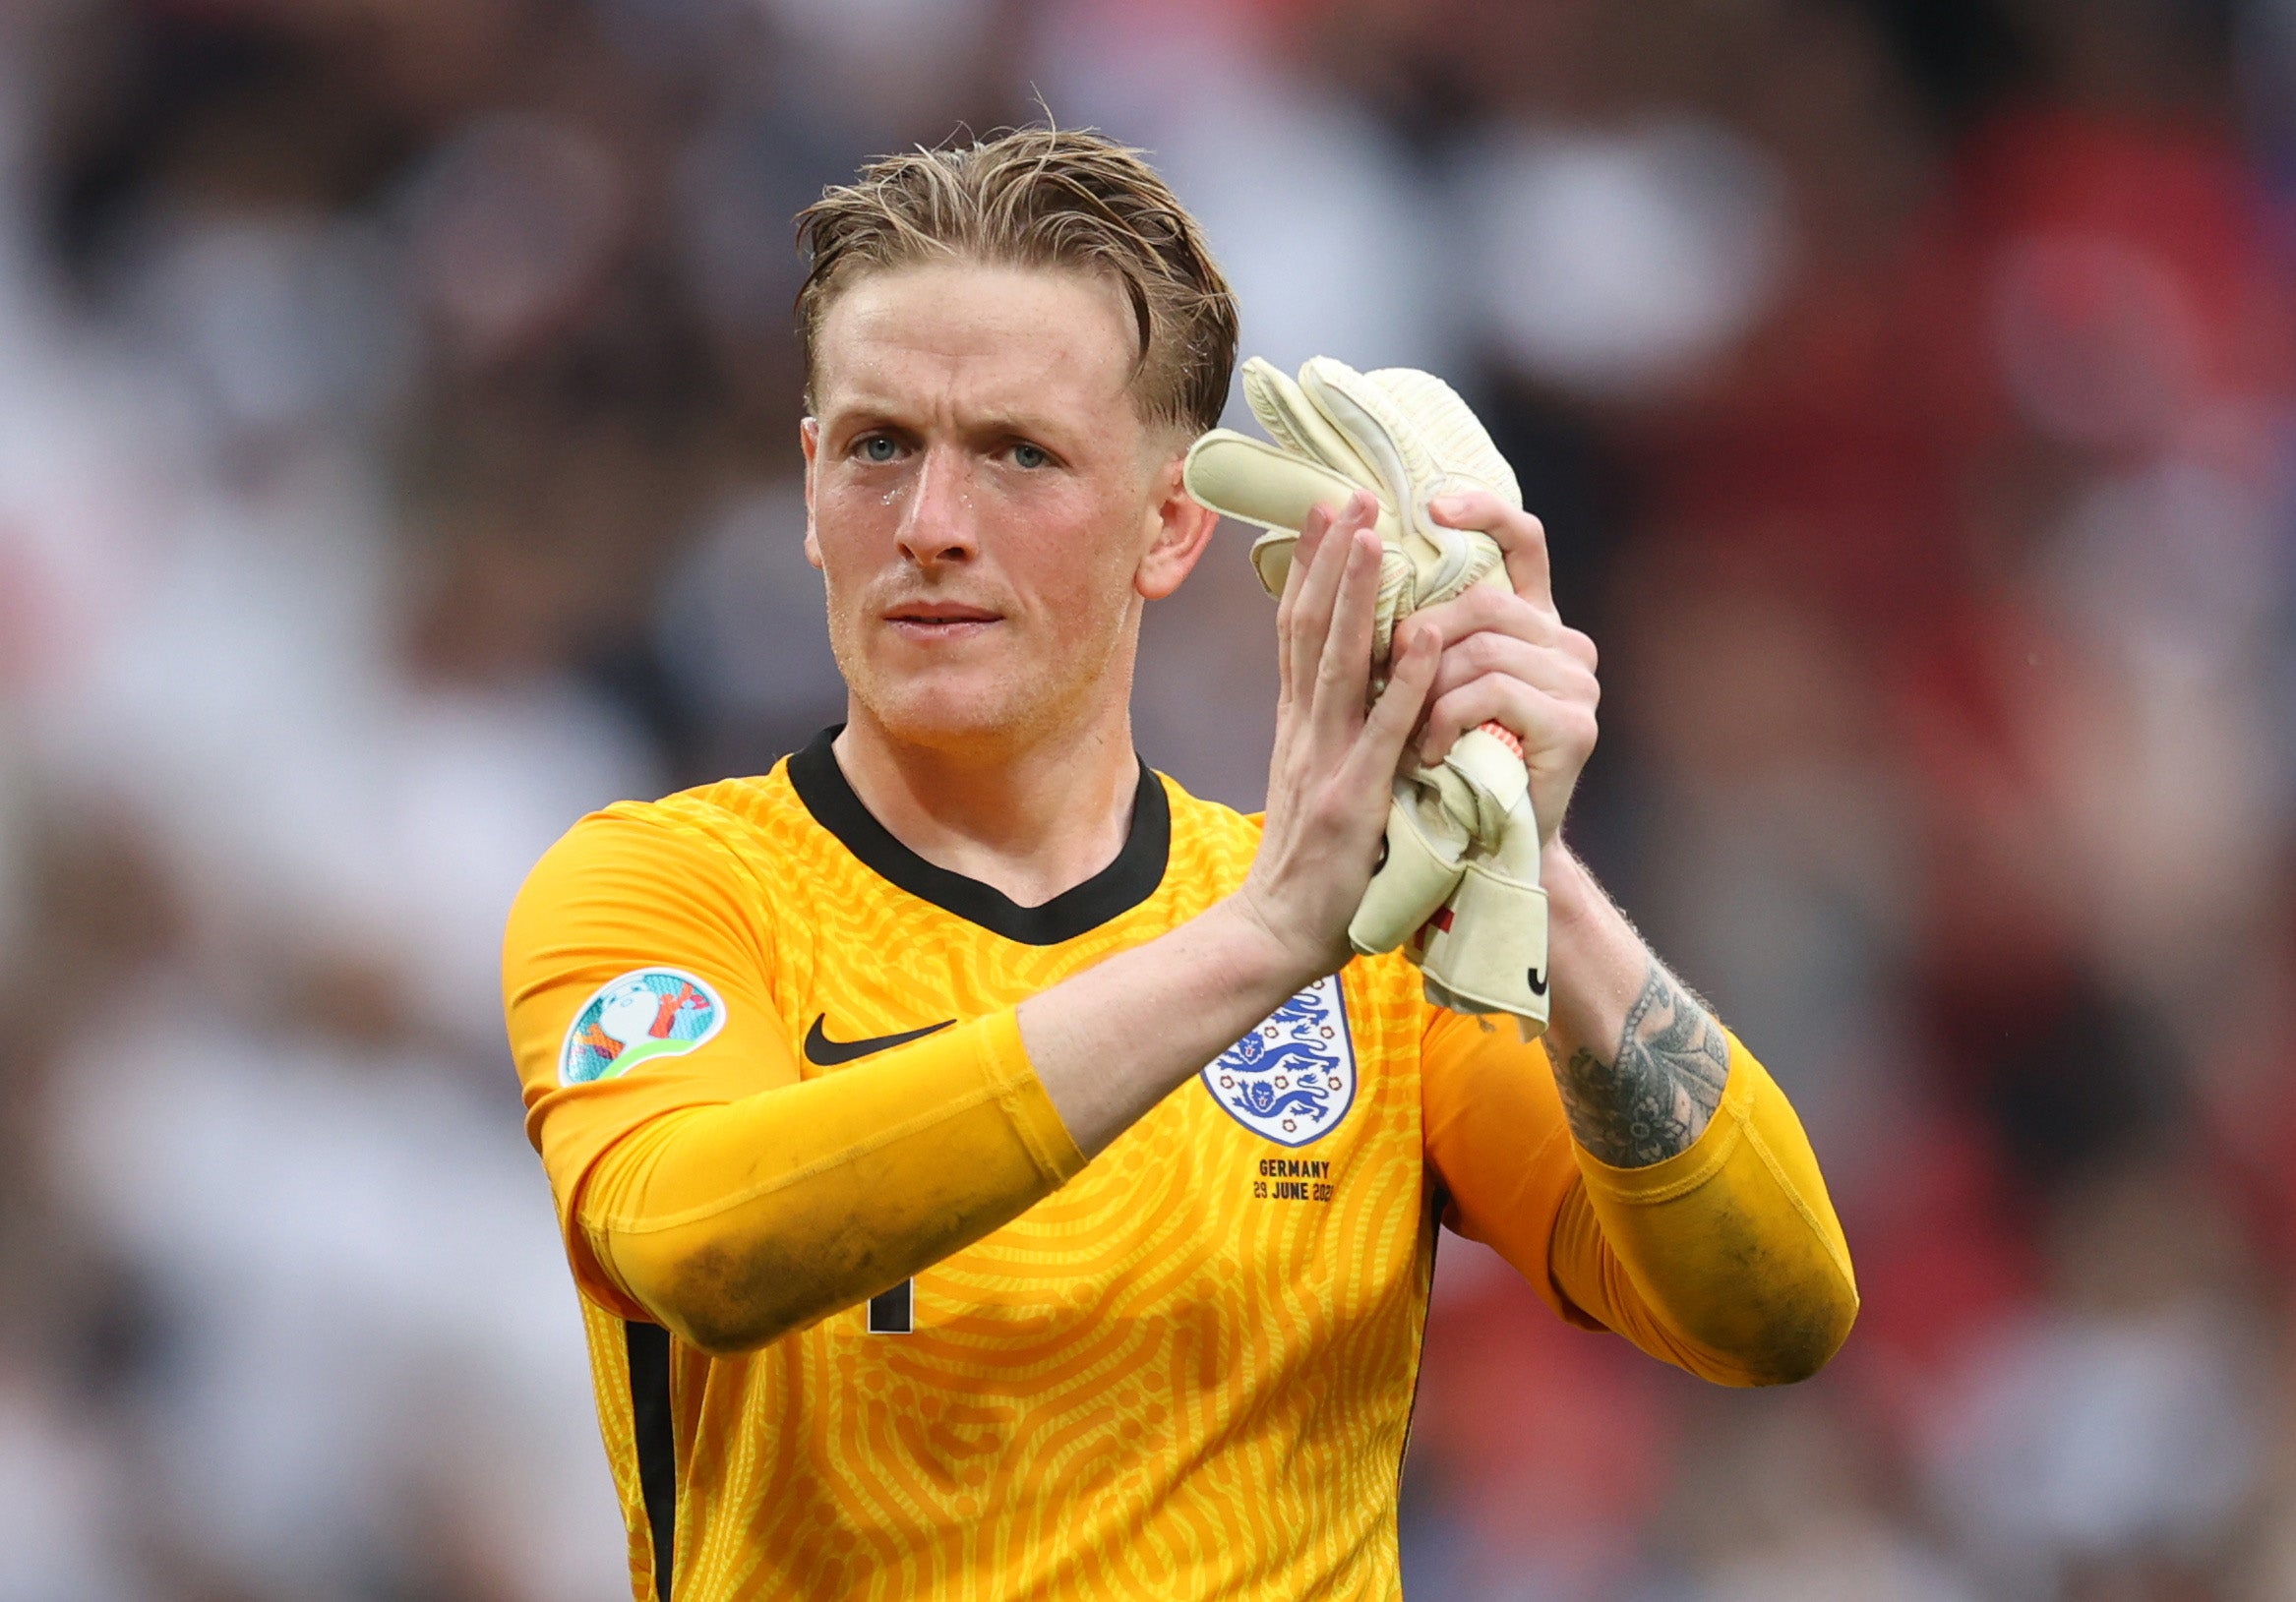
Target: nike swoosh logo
824	1052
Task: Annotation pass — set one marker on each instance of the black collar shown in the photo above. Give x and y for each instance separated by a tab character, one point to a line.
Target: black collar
1112	892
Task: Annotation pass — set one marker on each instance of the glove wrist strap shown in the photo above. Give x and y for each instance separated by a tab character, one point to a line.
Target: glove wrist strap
1503	967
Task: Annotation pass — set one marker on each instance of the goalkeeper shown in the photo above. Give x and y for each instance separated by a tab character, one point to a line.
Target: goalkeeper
991	1171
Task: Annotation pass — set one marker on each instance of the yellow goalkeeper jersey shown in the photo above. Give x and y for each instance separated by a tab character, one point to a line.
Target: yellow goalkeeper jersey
1186	1373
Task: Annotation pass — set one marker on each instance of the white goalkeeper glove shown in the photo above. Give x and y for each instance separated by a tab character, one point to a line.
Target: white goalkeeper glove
1457	884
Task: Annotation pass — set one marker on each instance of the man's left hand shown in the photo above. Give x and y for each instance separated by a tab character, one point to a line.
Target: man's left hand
1510	659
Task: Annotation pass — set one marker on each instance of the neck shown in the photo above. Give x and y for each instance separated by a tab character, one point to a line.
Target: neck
1031	819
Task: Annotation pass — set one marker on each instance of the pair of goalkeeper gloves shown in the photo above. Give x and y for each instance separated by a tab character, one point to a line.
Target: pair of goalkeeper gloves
1457	883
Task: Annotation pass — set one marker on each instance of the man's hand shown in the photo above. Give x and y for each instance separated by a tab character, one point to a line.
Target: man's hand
1510	659
1328	782
1112	1041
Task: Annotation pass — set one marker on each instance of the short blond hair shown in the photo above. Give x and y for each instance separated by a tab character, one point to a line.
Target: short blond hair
1039	198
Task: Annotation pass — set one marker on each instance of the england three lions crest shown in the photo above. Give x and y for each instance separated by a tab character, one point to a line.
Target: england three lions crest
1292	1078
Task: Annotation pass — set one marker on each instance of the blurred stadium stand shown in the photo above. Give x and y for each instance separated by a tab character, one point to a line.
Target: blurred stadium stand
398	459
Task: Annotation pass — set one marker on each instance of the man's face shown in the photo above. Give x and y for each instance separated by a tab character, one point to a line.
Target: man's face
985	502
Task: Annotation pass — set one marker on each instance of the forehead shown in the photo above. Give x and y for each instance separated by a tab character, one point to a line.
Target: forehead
967	339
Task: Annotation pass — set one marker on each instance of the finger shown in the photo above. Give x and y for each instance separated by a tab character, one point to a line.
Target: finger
1488	608
1359	510
1542	667
1491	698
1522	539
1409	674
1546	725
1312	531
1311	608
1344	674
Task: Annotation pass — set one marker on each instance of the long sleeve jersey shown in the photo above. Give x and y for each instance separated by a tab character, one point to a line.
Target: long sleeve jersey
771	1063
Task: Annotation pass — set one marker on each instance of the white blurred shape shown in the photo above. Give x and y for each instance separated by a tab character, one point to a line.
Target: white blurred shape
474	789
743	623
254	709
515	221
1789	894
878	63
2088	1437
2178	565
1833	1558
1615	263
1321	232
58	1502
241	686
863	31
95	454
734	226
2173	778
275	321
1321	226
370	1295
2097	340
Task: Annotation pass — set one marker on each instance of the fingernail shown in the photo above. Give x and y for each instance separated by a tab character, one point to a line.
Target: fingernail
1447	506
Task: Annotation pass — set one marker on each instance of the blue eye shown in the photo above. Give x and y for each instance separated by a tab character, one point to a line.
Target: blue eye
1025	455
879	449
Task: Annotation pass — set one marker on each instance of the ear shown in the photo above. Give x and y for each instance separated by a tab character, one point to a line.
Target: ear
1179	529
809	438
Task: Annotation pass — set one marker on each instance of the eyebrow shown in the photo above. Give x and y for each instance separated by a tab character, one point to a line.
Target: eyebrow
996	425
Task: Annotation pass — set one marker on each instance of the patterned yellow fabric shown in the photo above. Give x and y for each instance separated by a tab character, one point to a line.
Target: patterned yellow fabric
1186	1373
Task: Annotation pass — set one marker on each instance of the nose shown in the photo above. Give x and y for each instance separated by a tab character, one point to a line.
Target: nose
939	523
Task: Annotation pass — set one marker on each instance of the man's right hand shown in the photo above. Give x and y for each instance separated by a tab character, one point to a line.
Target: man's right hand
1113	1040
1328	783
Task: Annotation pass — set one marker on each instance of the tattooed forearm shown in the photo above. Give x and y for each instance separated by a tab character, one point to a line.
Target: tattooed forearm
1657	1097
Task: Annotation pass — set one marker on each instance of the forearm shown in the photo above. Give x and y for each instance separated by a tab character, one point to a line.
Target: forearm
1710	1244
735	1224
1640	1064
1725	1259
1118	1038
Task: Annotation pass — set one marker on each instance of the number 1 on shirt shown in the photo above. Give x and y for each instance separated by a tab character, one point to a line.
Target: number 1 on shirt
893	1312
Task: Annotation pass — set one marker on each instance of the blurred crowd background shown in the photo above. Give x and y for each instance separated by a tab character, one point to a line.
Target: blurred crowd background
397	458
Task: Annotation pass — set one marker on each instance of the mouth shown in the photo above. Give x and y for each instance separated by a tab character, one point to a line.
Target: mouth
938	619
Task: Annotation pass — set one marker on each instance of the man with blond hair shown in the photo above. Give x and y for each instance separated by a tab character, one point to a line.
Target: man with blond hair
1034	1197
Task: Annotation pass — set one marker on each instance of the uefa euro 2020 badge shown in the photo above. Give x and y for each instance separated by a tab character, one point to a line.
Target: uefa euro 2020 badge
651	1012
1292	1078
